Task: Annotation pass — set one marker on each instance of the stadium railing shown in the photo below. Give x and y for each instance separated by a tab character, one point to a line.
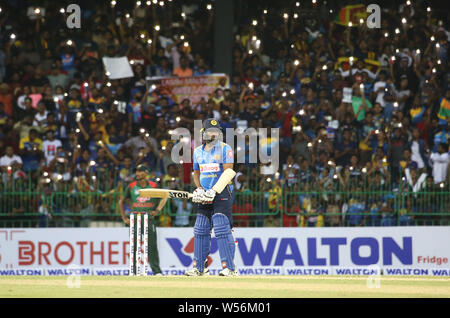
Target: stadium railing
79	203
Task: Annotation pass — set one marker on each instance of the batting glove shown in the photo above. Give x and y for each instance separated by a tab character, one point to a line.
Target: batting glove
208	196
198	195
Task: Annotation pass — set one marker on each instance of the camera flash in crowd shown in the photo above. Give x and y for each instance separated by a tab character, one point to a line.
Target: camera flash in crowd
250	85
250	51
186	44
428	9
335	176
142	130
147	135
384	160
149	41
157	27
77	130
418	51
69	42
62	10
37	11
397	31
107	73
182	37
309	145
254	23
284	94
148	3
377	131
301	112
408	3
404	20
138	3
319	141
324	67
439	61
297	4
269	180
285	16
292	91
432	38
142	35
127	15
161	3
183	15
94	178
92	163
433	70
441	184
395	104
55	99
364	170
113	3
296	62
330	163
386	34
254	38
437	45
12	36
361	21
108	84
208	6
86	84
100	110
177	119
100	142
314	1
350	59
265	11
350	24
295	16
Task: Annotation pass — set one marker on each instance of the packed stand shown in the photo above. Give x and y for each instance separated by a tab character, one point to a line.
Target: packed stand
363	113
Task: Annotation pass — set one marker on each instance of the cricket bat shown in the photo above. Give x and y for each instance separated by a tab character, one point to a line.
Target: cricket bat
164	193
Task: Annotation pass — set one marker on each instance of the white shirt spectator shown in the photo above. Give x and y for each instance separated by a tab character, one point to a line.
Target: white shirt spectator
6	161
440	163
39	120
415	154
50	148
380	96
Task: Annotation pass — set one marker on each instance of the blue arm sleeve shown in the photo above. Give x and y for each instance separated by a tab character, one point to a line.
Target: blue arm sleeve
227	155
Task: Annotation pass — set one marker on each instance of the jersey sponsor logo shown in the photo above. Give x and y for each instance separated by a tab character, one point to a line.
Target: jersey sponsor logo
143	205
210	167
229	154
142	199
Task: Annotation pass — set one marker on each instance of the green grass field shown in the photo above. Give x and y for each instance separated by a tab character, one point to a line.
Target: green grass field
223	287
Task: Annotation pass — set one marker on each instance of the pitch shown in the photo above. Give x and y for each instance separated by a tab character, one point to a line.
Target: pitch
236	287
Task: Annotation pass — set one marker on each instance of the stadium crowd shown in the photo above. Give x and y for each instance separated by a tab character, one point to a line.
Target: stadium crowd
363	112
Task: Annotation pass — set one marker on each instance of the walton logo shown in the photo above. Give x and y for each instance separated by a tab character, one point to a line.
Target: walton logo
185	253
277	251
178	195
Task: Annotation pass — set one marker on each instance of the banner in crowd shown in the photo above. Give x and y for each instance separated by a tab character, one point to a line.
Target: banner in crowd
351	13
193	88
259	251
117	67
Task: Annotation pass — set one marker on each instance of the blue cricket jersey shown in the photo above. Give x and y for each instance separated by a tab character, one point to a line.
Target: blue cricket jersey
210	163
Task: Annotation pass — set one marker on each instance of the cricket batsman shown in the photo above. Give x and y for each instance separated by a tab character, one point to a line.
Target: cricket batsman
213	173
144	205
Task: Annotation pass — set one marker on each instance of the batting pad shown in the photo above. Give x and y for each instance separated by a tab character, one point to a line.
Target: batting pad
202	240
225	239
